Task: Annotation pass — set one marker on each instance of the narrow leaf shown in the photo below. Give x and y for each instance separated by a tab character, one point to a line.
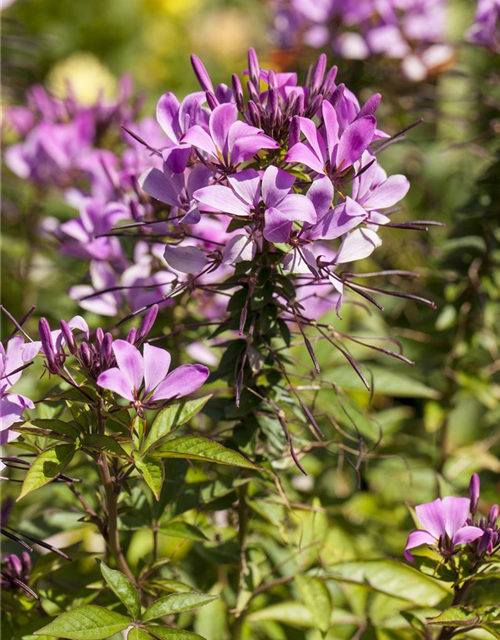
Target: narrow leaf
138	634
104	443
46	467
198	448
176	603
123	589
172	417
89	622
59	426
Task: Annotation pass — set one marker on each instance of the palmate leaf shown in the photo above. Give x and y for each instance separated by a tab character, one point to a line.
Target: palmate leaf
175	603
123	589
198	448
48	465
153	472
316	597
89	622
173	634
171	417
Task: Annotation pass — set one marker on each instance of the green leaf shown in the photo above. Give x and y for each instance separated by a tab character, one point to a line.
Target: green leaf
123	589
494	632
182	530
153	472
316	597
393	578
46	467
104	443
89	622
138	634
455	617
176	603
198	448
386	382
173	634
173	416
59	426
290	613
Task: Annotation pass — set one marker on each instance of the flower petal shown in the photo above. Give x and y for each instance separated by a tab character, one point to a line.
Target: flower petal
456	512
221	120
304	155
156	366
416	539
246	147
167	115
388	193
359	244
240	248
298	207
222	199
130	362
466	535
157	185
247	185
278	226
181	381
331	126
431	515
198	137
276	184
116	381
185	259
354	141
320	193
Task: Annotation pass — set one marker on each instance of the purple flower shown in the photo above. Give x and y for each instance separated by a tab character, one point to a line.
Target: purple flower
228	141
281	207
145	379
486	28
80	237
12	405
176	118
327	151
444	525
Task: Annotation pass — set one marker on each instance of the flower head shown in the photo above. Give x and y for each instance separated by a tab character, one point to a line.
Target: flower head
144	379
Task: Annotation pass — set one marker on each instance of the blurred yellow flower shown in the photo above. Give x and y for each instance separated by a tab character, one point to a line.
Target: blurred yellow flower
235	28
88	77
174	8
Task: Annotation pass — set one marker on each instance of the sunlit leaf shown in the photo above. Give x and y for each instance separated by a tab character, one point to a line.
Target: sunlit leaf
176	603
123	589
89	622
46	467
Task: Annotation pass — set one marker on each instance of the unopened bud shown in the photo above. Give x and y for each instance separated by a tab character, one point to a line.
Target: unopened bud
48	345
69	337
253	67
147	323
474	488
493	515
201	74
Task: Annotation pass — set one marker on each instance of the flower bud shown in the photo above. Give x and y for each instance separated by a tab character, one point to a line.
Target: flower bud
254	114
16	564
238	93
272	79
132	335
48	346
314	106
106	351
337	95
85	356
253	93
485	543
147	323
26	560
294	134
299	106
329	82
99	336
493	515
474	488
319	74
201	74
253	67
212	100
69	337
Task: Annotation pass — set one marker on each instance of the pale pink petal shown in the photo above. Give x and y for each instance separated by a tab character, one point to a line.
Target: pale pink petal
388	193
247	185
167	111
320	193
198	137
302	154
331	125
298	207
277	227
240	248
276	184
221	120
359	244
185	259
